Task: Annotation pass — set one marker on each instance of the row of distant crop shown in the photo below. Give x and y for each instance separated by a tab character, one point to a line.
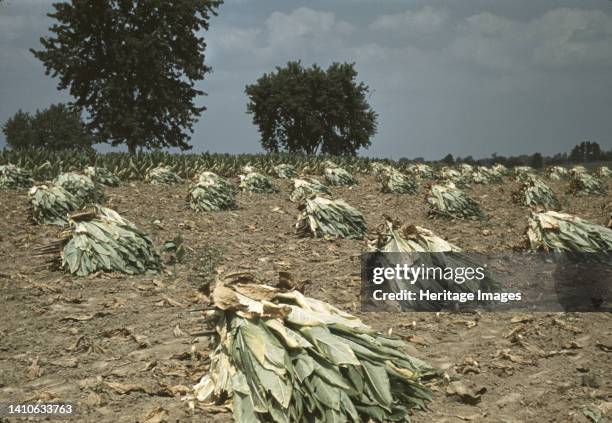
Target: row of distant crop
48	164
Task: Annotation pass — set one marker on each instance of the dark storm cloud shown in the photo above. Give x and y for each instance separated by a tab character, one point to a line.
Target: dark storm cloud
471	77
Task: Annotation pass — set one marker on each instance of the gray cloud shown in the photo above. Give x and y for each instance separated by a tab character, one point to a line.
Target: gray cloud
425	20
471	78
559	38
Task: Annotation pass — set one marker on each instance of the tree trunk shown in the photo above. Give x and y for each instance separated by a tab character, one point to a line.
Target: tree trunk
131	148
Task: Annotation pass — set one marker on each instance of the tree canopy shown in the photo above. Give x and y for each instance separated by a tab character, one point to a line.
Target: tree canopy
448	160
311	110
132	66
536	161
586	151
58	127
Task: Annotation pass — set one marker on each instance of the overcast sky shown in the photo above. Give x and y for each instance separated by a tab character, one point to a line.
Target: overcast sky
469	77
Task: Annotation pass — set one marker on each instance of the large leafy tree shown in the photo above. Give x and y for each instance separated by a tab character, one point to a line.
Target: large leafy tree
311	110
18	131
132	66
586	151
58	127
536	161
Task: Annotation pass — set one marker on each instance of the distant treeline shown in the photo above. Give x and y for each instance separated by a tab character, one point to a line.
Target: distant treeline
585	152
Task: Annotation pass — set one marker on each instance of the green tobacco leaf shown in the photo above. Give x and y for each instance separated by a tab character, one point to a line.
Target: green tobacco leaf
162	175
554	231
278	386
14	177
328	395
378	381
324	218
101	240
264	347
448	201
593	414
583	183
336	176
52	204
306	188
287	336
244	410
332	347
285	171
330	374
257	183
102	176
394	182
304	366
212	193
343	371
81	186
